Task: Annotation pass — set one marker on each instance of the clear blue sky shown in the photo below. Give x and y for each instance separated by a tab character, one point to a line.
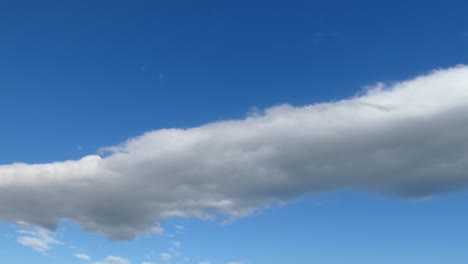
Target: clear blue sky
76	76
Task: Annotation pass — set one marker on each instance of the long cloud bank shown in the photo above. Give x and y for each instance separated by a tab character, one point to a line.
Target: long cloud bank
409	138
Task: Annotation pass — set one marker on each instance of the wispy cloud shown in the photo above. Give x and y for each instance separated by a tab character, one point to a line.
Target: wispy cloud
165	256
39	239
408	138
83	257
176	244
114	260
174	248
320	38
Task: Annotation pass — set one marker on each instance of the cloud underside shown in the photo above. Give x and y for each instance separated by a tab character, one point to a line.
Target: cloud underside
409	138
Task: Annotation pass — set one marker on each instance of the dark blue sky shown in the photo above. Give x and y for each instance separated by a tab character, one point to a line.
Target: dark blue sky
67	67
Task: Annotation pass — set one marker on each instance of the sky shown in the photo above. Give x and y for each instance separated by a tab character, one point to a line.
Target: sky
233	132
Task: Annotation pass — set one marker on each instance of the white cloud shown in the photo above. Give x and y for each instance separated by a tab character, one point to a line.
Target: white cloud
176	244
34	243
39	239
408	138
146	262
205	262
114	260
166	256
157	229
179	229
83	257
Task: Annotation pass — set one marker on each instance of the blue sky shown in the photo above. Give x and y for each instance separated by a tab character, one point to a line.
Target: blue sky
318	187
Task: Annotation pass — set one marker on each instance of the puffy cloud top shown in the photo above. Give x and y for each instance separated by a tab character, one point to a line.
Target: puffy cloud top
409	138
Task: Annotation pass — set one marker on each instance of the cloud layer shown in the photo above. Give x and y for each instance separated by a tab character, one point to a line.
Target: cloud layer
409	138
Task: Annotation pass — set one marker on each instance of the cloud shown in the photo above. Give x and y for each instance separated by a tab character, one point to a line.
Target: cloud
157	229
166	256
176	244
83	257
146	262
114	260
39	239
321	37
205	262
408	138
